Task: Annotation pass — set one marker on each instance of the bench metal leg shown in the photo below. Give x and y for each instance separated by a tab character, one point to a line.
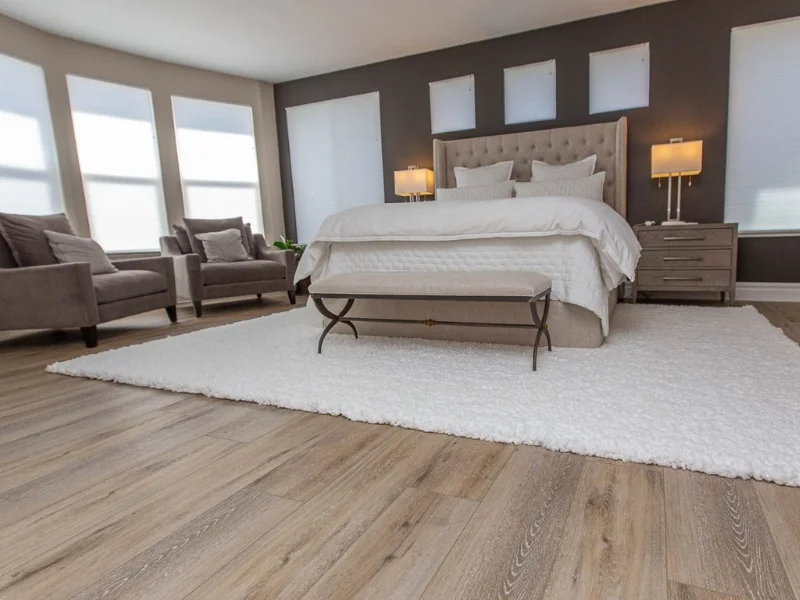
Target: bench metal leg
334	319
541	326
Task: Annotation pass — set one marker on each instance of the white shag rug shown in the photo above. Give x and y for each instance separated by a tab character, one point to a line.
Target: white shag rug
709	389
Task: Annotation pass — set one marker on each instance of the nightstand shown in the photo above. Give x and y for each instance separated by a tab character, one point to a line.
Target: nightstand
687	258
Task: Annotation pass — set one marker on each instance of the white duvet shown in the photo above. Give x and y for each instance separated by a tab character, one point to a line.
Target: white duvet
583	245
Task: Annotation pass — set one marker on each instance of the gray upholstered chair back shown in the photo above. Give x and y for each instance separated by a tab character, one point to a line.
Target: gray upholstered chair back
6	258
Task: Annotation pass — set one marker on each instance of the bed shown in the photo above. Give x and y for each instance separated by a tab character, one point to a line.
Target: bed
584	291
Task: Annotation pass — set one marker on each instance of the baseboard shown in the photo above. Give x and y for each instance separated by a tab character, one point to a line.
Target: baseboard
747	291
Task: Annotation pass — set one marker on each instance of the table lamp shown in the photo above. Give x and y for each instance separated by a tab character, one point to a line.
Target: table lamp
676	159
413	183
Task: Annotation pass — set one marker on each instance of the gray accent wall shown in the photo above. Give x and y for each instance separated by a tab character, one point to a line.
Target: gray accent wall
689	71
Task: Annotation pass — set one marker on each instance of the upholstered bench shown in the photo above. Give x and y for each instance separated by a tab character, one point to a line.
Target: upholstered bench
469	286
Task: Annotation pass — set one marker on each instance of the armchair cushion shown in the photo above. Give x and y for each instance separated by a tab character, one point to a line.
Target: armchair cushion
25	237
182	237
242	272
124	285
195	226
70	249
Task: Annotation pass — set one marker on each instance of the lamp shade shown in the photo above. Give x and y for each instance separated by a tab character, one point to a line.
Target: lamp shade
413	181
682	158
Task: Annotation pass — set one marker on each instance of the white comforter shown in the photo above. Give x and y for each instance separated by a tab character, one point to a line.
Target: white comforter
615	247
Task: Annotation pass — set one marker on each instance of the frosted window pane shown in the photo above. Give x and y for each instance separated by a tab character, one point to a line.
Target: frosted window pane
29	179
124	216
118	154
530	92
206	202
762	188
216	144
619	79
336	157
453	104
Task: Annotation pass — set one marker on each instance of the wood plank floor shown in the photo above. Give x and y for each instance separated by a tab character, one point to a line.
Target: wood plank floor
110	491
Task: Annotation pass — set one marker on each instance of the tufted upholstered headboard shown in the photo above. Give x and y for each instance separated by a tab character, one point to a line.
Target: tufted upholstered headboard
554	146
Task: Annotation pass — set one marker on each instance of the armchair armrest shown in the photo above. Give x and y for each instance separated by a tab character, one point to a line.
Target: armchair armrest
48	297
266	252
157	264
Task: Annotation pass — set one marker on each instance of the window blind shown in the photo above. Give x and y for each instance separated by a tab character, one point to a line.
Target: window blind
336	158
530	92
29	180
452	104
218	161
619	79
762	186
118	155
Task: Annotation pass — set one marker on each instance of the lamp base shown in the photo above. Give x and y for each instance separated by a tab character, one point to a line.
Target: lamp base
678	222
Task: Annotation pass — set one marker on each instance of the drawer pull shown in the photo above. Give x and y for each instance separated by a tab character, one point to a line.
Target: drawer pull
683	259
682	278
684	238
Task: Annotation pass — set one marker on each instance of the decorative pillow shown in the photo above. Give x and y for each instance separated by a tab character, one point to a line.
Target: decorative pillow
183	239
587	187
224	246
25	236
495	191
541	171
196	226
495	173
71	249
251	242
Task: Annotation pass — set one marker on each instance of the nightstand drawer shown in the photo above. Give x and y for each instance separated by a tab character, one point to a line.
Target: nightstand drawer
683	278
684	238
699	258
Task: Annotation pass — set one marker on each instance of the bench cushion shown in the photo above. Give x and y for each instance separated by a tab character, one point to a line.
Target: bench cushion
524	284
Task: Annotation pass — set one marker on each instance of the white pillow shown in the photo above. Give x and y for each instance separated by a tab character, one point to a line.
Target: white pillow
496	191
72	249
224	246
590	188
541	171
488	175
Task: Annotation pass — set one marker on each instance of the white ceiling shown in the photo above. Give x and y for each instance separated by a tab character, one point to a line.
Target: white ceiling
279	40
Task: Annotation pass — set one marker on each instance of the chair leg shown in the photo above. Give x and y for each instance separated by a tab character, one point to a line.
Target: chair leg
258	296
172	313
292	297
90	336
198	308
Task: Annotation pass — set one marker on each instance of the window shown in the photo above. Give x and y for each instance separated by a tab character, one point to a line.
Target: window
336	158
619	79
217	158
29	182
530	92
118	156
762	186
452	104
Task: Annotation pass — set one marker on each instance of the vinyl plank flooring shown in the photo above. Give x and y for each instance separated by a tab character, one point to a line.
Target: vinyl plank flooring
508	548
781	506
679	591
290	559
259	422
62	456
305	475
57	523
35	495
399	553
184	559
718	538
467	468
70	567
614	546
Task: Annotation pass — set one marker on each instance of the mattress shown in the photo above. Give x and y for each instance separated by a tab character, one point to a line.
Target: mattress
570	261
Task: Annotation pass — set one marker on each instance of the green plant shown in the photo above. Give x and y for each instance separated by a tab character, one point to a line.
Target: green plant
288	244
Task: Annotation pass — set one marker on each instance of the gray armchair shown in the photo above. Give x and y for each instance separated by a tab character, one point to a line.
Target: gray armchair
271	271
67	295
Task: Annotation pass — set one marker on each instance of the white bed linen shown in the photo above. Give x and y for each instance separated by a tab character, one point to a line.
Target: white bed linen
571	262
609	246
